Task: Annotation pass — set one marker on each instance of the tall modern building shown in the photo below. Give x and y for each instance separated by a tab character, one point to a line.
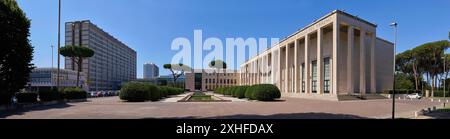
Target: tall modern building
337	55
113	62
150	71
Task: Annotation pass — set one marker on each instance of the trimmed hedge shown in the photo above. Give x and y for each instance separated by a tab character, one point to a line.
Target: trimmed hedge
265	92
135	92
261	92
140	92
26	97
239	92
163	91
49	95
74	93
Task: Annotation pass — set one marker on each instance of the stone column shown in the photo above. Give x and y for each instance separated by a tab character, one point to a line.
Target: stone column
319	62
279	68
307	78
362	63
286	70
373	80
296	68
334	60
351	39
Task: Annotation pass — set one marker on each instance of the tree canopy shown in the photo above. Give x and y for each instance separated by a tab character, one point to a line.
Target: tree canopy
218	64
177	70
16	52
427	59
77	54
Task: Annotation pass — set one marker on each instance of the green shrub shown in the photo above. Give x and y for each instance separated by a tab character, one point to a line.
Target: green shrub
249	92
135	92
227	91
239	91
219	90
154	92
26	97
164	92
174	91
49	95
265	92
74	93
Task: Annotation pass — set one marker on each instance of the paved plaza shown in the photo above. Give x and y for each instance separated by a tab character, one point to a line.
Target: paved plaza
287	108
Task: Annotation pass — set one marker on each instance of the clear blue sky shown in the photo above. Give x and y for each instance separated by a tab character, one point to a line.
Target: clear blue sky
149	26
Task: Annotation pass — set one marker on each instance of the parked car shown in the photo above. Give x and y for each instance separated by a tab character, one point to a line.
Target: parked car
414	96
99	94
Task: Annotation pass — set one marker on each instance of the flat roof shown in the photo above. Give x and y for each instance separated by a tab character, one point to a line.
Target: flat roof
313	23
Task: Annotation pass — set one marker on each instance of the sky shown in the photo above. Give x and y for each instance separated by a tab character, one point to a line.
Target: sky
150	26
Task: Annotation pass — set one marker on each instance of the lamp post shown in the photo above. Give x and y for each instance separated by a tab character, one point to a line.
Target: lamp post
59	43
445	71
395	46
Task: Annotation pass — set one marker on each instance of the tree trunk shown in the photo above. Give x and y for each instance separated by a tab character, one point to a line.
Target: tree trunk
217	79
432	85
80	65
416	79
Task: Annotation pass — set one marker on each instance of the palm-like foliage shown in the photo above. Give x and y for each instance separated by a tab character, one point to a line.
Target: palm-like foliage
77	54
177	70
425	59
219	65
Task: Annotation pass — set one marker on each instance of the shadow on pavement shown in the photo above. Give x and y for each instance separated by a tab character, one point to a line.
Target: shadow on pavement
21	111
278	116
440	114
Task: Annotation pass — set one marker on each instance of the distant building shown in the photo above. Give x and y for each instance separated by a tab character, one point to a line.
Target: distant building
207	80
113	62
150	71
45	79
164	80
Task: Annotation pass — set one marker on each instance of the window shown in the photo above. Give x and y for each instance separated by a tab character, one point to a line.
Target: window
303	77
314	77
327	75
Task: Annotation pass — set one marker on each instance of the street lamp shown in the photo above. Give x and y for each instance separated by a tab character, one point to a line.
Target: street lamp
59	43
445	71
395	45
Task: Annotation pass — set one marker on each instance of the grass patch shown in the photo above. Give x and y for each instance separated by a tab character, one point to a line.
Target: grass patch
200	98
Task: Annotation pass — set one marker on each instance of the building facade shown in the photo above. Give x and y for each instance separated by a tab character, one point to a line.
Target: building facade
208	80
150	71
113	62
45	79
339	54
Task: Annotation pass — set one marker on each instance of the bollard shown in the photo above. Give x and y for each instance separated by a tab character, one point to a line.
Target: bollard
439	100
416	114
434	108
431	100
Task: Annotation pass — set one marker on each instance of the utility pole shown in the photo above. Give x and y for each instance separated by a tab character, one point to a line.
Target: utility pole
395	46
59	44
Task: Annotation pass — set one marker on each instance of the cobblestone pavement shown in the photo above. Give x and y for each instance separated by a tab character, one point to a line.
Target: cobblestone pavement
287	108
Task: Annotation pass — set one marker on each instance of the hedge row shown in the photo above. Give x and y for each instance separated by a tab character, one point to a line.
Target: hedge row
402	91
51	95
139	92
261	92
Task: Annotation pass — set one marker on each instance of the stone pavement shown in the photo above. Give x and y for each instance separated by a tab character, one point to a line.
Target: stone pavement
287	108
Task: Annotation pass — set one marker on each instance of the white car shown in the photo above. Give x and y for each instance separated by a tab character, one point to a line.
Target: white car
414	96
